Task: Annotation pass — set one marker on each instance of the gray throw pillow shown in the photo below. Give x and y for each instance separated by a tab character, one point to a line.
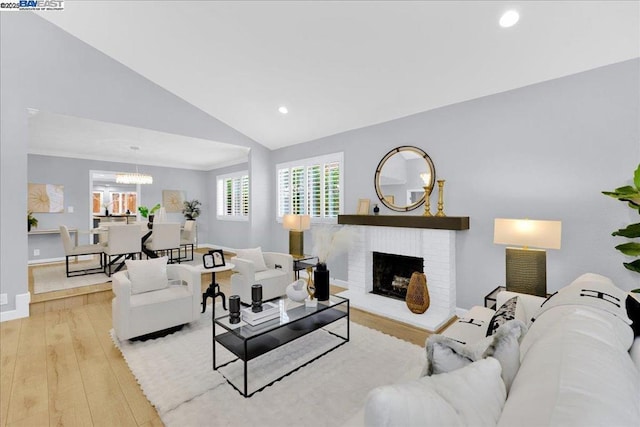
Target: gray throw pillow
445	354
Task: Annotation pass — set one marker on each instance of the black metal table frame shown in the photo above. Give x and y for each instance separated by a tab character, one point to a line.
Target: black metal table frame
213	291
300	264
247	359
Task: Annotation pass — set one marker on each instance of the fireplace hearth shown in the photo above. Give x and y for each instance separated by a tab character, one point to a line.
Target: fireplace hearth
392	272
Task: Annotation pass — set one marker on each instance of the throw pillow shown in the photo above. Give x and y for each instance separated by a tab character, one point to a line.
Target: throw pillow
471	396
445	354
633	312
472	326
147	275
511	309
255	256
592	290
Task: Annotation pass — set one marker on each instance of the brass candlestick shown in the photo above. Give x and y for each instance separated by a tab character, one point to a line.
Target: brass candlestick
440	198
427	203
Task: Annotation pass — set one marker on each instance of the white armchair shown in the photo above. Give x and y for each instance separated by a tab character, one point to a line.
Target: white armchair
155	302
275	273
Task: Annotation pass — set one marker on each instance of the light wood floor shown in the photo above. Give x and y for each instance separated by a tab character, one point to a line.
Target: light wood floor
59	367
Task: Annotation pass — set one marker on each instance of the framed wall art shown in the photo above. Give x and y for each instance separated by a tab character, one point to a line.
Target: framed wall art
363	207
172	200
47	198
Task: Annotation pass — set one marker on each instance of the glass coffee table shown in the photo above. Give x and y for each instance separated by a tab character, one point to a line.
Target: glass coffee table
249	342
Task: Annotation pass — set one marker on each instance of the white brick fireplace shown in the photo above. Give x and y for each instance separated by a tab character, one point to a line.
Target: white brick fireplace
437	248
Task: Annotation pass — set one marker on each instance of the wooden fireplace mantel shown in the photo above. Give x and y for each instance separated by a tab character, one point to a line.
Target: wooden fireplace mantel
407	221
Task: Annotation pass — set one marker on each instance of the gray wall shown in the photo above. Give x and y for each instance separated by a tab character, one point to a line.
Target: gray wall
225	233
74	175
542	152
47	69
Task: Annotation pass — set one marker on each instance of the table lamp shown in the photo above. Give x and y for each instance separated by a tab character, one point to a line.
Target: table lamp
296	224
526	268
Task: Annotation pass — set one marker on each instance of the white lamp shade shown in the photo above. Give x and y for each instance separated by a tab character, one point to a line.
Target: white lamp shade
526	232
296	222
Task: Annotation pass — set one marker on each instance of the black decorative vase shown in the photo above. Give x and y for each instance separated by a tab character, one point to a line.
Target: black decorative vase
28	226
256	298
234	309
150	223
106	212
321	281
376	210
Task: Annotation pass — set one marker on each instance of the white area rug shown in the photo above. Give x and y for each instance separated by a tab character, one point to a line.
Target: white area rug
176	374
54	277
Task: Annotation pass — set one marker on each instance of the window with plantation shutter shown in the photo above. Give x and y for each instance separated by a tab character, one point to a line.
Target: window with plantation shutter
233	196
311	186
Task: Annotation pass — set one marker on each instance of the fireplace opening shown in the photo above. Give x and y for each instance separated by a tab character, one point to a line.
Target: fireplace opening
391	274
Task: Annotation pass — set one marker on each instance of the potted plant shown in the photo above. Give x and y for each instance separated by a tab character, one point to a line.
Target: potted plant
146	213
191	209
631	195
32	221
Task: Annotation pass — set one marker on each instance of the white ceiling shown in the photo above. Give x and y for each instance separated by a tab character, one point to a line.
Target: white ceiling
66	136
343	65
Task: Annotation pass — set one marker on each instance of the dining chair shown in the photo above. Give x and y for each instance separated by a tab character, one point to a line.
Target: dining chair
164	239
124	242
188	239
70	249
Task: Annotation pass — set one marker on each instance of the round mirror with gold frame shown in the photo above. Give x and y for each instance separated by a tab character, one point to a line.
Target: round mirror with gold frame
401	177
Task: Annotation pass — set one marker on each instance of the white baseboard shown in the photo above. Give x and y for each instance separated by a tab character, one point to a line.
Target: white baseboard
210	246
60	259
22	308
341	283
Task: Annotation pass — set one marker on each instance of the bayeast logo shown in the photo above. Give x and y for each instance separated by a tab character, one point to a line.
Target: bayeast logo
41	3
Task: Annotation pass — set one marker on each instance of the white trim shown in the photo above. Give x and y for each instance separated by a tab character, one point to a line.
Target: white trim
305	163
22	308
210	246
220	195
326	158
232	218
341	283
60	259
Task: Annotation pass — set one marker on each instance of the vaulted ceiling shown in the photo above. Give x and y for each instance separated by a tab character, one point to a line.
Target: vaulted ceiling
339	66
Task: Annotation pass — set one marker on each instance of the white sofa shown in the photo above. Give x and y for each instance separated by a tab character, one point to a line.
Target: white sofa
171	297
579	366
274	273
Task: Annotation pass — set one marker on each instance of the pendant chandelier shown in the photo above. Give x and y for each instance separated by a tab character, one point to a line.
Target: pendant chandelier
134	177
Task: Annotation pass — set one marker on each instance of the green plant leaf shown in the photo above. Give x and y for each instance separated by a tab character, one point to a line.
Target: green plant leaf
633	266
155	208
622	193
636	178
631	248
631	231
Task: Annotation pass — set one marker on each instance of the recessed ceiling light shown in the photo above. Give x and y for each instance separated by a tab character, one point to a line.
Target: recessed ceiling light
283	110
509	19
